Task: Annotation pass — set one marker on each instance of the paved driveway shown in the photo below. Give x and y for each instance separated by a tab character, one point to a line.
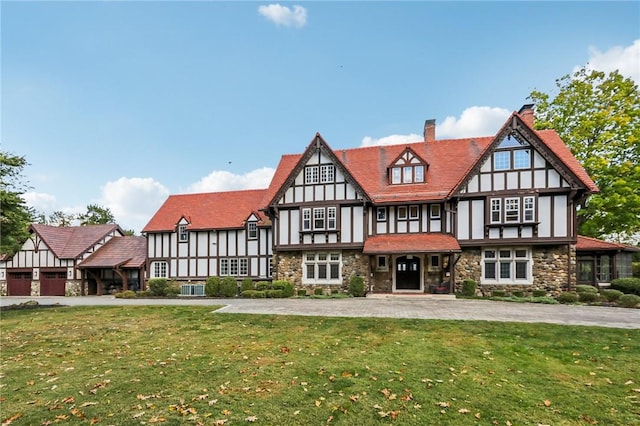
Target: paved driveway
397	307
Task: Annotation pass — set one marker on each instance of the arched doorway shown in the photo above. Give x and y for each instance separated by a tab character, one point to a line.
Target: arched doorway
408	272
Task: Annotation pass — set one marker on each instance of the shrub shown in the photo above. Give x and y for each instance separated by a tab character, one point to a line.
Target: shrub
498	293
274	294
584	288
143	293
247	284
588	296
318	291
518	293
287	290
212	287
627	285
158	286
259	295
611	295
469	287
301	292
356	286
127	294
567	297
229	287
629	300
539	293
262	285
277	285
173	288
249	294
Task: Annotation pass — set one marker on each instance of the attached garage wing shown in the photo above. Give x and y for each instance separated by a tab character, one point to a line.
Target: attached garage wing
52	283
19	283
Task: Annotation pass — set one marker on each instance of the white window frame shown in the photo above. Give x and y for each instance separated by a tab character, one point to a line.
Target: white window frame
332	218
327	173
224	267
311	175
402	216
407	174
160	269
528	209
382	263
315	264
414	212
396	175
233	266
381	214
306	219
435	262
252	230
183	234
434	211
496	208
319	214
507	264
512	210
520	161
243	267
501	160
418	173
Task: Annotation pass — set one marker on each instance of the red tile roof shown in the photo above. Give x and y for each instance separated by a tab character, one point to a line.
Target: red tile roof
411	243
212	210
70	242
593	244
124	252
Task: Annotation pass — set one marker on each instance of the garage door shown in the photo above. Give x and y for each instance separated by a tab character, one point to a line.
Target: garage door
52	283
19	283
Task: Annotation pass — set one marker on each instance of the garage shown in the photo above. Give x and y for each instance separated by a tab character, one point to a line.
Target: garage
52	283
19	283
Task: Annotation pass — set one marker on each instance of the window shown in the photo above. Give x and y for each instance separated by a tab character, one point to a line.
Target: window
182	232
501	160
327	173
322	268
521	159
512	209
252	230
418	173
244	266
311	174
407	174
402	213
396	173
318	218
233	267
434	262
414	212
382	264
331	218
435	211
496	210
528	209
159	269
382	214
224	266
506	266
306	219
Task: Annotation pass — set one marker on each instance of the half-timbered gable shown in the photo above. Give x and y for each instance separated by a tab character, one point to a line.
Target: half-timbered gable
195	236
48	262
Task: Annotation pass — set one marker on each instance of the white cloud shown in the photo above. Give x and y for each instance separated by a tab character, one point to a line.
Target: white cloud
624	59
133	201
42	202
474	121
282	15
221	180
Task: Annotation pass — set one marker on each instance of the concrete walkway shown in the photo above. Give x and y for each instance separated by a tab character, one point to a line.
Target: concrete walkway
393	307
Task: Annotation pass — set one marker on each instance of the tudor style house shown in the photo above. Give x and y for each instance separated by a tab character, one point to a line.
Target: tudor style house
74	260
411	218
195	236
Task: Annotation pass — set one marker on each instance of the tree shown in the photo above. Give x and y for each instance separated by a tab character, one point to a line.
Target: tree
598	117
96	215
62	219
15	216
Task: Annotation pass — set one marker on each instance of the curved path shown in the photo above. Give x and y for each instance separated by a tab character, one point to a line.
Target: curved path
394	307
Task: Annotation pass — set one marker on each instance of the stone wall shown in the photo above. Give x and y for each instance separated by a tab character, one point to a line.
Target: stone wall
73	288
288	267
3	288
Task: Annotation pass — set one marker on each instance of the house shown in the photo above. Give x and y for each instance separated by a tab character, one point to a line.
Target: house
74	260
194	236
599	261
423	217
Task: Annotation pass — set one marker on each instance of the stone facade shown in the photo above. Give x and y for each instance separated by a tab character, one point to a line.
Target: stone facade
553	270
288	267
73	288
3	288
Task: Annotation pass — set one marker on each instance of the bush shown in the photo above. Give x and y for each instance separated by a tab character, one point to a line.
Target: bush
277	285
301	292
539	293
247	284
127	294
611	295
212	287
249	294
262	285
629	300
260	295
567	297
469	287
318	291
173	288
518	293
627	285
587	296
356	286
498	293
229	287
274	294
287	290
143	293
158	286
584	288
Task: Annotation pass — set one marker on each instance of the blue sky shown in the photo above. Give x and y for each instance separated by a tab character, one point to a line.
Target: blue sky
124	103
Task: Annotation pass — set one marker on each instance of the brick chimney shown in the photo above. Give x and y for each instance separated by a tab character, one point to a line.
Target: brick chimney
527	114
430	130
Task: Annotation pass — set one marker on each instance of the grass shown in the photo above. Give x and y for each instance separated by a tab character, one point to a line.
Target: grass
186	365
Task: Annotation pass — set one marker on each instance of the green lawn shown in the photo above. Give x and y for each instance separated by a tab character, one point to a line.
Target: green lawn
186	365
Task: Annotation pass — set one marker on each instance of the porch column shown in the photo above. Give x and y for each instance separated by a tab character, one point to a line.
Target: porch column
123	276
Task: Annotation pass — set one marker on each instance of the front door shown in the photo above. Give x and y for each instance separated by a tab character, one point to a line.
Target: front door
407	273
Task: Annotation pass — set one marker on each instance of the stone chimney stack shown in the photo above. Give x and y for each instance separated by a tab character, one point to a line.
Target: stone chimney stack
430	130
527	114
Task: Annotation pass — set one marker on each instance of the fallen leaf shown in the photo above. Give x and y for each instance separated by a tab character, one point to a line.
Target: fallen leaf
11	419
547	403
251	419
463	411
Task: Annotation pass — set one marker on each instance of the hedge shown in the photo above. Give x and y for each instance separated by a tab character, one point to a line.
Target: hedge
627	285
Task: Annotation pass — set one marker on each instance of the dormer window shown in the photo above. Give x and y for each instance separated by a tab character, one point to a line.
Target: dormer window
252	230
407	169
182	233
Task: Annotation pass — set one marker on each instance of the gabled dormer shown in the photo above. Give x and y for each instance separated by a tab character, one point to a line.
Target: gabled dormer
407	168
182	230
251	225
